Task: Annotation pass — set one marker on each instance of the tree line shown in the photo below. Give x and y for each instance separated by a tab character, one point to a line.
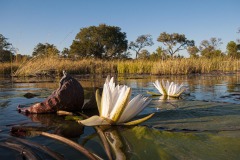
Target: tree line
109	42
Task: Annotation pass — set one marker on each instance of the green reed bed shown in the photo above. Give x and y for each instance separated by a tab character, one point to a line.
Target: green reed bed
202	65
36	66
134	67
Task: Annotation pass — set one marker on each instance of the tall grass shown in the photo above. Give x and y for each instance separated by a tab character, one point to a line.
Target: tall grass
178	66
134	67
7	68
40	66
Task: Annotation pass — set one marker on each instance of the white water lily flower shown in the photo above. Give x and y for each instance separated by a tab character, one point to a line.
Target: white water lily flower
169	89
115	107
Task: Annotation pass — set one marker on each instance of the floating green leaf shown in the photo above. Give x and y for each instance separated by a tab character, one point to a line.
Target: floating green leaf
73	118
138	121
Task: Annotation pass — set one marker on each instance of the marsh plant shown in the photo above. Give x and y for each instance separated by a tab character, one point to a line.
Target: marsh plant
169	89
115	106
177	66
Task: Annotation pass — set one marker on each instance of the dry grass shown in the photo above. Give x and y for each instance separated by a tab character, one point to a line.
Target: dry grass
178	66
41	66
37	66
8	68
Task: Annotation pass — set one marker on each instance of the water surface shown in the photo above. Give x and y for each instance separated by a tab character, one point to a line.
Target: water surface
203	124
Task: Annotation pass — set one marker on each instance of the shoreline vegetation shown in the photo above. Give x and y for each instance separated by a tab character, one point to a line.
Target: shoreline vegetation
47	66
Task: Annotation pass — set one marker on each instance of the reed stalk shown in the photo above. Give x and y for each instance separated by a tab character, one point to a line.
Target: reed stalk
43	65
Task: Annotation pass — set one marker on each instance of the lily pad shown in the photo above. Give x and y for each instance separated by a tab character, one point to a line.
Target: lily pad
73	118
196	115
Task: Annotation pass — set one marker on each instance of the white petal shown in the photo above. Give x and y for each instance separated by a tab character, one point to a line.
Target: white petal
111	85
174	87
129	110
115	94
106	101
180	87
107	79
134	107
120	98
111	80
158	86
170	88
180	91
166	85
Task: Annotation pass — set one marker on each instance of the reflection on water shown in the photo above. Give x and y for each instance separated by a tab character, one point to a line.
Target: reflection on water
225	88
141	142
70	129
179	145
203	124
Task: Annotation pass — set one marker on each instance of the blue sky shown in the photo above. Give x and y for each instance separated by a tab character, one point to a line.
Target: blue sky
28	22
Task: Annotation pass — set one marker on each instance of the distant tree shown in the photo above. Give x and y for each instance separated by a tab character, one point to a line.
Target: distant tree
193	51
45	50
6	49
232	50
124	55
141	42
238	40
209	48
21	58
101	41
159	54
174	42
178	56
65	52
144	54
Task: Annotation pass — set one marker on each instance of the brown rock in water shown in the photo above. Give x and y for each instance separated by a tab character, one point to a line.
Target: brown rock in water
69	97
30	95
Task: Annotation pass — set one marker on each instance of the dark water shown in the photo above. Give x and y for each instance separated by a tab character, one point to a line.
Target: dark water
203	124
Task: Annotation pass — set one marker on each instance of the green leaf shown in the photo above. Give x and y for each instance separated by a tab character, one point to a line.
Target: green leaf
174	96
73	118
138	121
95	121
98	100
153	93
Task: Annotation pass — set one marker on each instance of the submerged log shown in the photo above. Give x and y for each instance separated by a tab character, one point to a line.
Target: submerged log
69	97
